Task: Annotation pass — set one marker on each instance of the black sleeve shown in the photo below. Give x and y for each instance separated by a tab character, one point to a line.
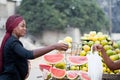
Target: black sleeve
21	51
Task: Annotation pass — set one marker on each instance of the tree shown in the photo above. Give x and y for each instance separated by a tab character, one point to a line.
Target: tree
58	14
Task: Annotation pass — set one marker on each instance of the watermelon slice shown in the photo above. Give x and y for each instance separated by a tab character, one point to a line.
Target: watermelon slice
72	74
53	58
44	66
57	73
84	75
77	60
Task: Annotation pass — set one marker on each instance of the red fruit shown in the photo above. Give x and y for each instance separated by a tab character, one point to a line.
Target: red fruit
78	60
57	73
53	58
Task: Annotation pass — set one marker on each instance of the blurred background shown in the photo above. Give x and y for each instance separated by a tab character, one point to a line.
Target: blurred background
51	20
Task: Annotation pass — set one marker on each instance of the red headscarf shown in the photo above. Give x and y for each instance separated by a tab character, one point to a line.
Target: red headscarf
11	23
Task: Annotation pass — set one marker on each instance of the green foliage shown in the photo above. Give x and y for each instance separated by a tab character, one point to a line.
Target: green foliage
58	14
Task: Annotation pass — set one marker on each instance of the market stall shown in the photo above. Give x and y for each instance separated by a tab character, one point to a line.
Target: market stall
73	64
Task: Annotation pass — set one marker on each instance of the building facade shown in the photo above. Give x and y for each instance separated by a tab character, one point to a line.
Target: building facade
7	8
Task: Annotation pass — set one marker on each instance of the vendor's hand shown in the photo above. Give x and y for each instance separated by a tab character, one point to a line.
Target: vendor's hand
97	47
61	46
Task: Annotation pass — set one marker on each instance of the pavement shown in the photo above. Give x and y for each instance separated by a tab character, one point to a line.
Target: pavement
35	72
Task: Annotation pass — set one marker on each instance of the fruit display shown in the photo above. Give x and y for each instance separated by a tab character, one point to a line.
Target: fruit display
60	66
72	64
77	60
53	58
111	48
57	73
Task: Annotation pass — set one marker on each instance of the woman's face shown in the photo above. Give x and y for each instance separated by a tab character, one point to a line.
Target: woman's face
20	30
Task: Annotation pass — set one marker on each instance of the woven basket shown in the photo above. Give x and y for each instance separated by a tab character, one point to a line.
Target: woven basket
111	77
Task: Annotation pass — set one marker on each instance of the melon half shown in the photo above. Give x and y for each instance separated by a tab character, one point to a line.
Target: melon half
57	73
77	60
53	58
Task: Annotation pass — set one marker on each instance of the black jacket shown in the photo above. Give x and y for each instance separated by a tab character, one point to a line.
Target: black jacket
15	60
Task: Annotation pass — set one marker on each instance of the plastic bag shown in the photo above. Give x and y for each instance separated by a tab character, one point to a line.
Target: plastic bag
95	68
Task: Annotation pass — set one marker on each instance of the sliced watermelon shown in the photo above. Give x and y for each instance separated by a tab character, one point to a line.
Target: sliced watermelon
57	73
77	60
84	75
72	74
53	58
44	66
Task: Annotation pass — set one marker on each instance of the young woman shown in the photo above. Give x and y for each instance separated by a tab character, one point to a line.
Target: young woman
13	56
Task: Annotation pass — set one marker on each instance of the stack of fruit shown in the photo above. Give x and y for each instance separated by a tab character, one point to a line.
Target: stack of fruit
75	66
57	69
111	48
57	66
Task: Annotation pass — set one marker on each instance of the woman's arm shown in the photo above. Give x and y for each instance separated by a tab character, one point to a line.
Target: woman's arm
21	51
111	64
41	51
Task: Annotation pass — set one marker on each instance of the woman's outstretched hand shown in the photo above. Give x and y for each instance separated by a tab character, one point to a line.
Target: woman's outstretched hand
61	46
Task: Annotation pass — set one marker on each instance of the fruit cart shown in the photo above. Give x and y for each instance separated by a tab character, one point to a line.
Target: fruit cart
79	50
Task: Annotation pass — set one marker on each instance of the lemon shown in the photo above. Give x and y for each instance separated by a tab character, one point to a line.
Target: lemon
85	42
92	33
72	67
95	38
85	69
104	42
101	37
60	65
117	50
115	45
109	52
82	53
90	43
107	47
68	39
97	42
86	48
77	67
104	69
114	57
108	70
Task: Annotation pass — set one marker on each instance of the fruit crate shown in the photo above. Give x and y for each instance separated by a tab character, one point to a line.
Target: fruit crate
111	77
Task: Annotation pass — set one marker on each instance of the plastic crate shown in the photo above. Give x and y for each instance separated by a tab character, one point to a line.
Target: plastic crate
111	77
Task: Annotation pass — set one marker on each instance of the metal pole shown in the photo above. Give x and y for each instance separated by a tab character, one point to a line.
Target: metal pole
110	17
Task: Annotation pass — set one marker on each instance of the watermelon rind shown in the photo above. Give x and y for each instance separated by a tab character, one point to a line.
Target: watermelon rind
53	58
57	73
